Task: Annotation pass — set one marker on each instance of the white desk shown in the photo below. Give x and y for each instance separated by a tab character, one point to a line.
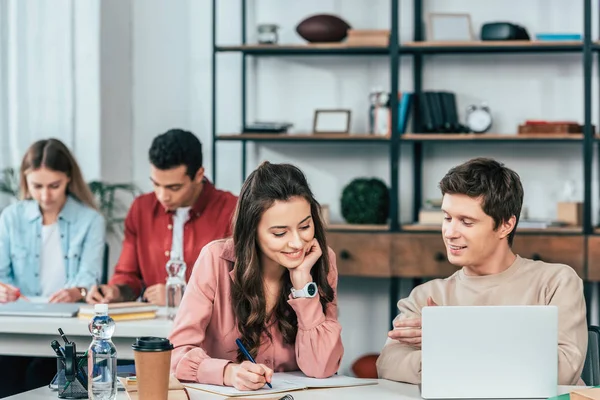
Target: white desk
29	336
383	391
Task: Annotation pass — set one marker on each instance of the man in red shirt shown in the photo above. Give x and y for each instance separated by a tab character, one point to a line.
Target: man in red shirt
184	213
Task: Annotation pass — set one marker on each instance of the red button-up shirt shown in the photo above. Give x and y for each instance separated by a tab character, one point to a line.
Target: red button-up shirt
149	235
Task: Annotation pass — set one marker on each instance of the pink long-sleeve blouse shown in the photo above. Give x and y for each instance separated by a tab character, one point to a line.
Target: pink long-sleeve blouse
205	330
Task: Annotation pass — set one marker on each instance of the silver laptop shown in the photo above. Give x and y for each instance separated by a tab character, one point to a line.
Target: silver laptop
26	309
489	352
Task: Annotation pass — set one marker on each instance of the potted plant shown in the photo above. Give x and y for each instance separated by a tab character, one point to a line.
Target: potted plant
365	201
9	183
111	204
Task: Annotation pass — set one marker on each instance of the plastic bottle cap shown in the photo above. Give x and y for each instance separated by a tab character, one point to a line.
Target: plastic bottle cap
101	308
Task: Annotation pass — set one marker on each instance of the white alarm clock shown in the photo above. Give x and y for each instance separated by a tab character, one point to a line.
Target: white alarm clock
479	118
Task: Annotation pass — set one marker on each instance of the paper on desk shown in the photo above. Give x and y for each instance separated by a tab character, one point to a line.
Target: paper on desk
279	386
284	382
331	382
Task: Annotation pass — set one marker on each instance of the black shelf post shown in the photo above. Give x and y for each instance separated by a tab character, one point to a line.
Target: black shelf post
395	139
395	144
213	92
588	139
417	126
244	89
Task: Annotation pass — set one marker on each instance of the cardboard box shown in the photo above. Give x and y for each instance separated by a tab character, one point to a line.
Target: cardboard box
586	394
368	37
570	213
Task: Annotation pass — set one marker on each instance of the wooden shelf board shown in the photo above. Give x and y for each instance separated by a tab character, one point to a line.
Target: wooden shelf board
495	43
321	46
341	49
490	136
357	227
305	137
438	228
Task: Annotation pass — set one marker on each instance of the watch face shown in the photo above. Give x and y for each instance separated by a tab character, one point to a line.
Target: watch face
311	289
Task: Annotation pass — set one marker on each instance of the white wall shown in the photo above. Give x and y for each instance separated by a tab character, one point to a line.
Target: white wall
171	55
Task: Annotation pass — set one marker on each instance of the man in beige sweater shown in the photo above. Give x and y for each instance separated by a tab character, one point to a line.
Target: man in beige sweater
482	202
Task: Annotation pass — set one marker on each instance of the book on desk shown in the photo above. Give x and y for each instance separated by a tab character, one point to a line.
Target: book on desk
130	310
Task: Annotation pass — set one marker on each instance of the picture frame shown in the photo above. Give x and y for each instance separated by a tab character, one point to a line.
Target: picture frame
449	27
332	121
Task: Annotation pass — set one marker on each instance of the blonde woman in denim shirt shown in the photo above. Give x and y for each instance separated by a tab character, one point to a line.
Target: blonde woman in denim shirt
52	241
51	245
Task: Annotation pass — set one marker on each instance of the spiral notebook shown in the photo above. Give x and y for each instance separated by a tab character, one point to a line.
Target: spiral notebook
283	382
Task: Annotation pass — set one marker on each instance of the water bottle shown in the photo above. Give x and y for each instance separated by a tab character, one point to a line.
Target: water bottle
102	356
175	284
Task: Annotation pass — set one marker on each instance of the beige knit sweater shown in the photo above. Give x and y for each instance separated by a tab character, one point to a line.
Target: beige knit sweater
525	282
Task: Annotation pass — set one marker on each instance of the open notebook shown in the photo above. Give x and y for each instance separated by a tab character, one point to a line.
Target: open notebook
282	382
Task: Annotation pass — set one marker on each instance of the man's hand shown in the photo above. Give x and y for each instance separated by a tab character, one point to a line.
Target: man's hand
156	294
408	330
71	295
104	294
247	376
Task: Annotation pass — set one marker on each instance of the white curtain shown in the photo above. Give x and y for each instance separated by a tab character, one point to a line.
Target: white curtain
37	70
49	77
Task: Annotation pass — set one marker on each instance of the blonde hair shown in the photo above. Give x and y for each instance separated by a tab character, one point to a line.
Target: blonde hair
54	155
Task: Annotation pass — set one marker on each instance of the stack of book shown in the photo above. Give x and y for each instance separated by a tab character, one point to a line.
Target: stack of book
431	213
130	310
176	389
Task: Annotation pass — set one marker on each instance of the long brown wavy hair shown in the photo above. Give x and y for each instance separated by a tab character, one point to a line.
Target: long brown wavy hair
54	155
267	184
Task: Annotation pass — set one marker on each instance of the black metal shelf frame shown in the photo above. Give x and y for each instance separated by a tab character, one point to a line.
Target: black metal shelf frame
586	49
245	51
418	52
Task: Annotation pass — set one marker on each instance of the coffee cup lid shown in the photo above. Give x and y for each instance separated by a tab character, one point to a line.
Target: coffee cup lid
150	343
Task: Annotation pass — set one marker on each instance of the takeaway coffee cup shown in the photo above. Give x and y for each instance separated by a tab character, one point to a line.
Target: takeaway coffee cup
152	357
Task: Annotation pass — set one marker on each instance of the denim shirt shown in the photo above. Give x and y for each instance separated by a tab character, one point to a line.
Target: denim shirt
82	233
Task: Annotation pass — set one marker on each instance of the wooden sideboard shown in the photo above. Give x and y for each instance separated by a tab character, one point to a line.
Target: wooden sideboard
423	255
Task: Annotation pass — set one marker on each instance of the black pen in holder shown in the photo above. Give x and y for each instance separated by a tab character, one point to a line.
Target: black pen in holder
71	378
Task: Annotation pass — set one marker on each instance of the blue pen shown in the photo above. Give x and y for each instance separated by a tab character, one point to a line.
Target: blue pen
248	356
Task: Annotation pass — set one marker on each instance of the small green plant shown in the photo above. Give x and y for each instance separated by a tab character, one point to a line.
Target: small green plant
10	182
110	205
365	201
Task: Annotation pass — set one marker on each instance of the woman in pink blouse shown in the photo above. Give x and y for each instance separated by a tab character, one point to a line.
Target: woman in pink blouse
270	286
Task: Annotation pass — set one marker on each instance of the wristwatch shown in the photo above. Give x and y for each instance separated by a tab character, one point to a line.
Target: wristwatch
83	291
309	290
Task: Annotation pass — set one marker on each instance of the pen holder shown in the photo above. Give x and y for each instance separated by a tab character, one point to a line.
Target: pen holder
71	377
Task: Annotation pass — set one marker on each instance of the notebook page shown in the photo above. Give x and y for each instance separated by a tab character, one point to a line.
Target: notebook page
334	381
279	385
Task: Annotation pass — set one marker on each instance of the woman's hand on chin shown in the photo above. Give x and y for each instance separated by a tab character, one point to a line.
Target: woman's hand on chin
300	275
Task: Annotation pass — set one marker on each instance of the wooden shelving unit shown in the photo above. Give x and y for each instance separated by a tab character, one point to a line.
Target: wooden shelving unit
407	237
